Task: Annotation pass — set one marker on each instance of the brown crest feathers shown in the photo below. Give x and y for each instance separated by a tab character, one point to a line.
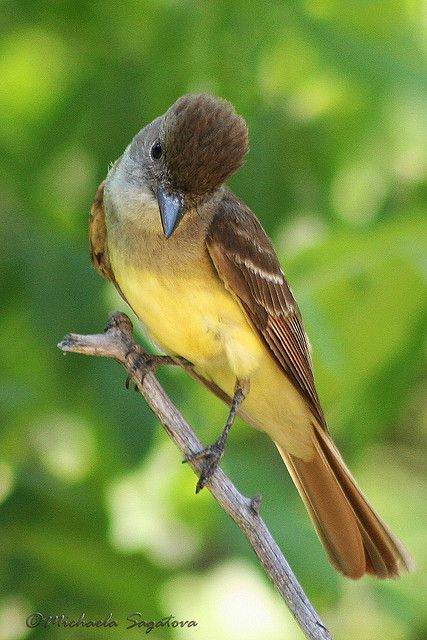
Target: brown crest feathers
205	141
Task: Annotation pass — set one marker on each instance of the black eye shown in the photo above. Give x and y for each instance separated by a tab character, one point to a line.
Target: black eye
156	151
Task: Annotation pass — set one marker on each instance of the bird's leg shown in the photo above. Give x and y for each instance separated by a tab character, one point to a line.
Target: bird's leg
213	453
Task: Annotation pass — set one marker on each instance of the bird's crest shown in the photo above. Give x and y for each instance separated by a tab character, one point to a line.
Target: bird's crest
205	141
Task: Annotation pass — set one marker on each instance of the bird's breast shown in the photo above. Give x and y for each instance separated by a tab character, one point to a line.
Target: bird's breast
194	317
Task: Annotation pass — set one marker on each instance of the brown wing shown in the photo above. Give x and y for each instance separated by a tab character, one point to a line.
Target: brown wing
98	236
98	240
247	263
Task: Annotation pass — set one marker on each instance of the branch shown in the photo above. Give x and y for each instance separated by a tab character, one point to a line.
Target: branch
117	342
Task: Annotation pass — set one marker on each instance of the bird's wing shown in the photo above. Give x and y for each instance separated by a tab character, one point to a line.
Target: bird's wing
98	236
98	240
247	264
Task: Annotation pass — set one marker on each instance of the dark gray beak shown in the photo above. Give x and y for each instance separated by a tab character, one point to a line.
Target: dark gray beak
171	207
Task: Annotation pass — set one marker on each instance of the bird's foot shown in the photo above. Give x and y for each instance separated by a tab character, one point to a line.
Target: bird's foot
211	457
212	454
139	363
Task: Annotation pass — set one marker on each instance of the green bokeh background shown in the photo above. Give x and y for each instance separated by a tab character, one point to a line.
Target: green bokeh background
97	514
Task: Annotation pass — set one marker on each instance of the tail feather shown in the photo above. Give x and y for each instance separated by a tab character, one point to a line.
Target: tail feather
356	540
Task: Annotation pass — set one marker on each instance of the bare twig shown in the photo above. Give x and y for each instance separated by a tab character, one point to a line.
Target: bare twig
117	342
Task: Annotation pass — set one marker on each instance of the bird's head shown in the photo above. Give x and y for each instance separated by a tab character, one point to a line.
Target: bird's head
187	153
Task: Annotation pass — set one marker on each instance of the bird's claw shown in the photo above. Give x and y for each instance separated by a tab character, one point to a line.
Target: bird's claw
139	364
211	457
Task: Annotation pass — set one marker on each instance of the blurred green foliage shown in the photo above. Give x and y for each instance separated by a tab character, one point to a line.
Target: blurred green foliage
97	514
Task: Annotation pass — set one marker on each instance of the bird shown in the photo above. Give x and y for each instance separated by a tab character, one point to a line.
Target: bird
197	268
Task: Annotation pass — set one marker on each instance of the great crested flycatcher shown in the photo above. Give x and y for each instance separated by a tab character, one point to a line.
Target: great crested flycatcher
199	271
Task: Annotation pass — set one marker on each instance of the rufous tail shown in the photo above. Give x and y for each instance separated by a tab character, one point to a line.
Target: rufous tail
356	540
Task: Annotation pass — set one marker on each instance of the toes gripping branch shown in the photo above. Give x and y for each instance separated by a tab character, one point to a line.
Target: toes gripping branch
213	453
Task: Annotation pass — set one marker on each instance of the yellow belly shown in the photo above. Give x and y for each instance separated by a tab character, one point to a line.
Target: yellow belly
201	321
194	318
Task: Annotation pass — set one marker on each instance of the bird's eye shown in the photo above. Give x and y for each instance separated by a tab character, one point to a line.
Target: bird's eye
156	151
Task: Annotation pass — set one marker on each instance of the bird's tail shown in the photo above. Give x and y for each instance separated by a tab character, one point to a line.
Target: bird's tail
356	540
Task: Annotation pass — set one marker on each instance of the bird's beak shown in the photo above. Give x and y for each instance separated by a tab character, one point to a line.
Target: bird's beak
171	207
